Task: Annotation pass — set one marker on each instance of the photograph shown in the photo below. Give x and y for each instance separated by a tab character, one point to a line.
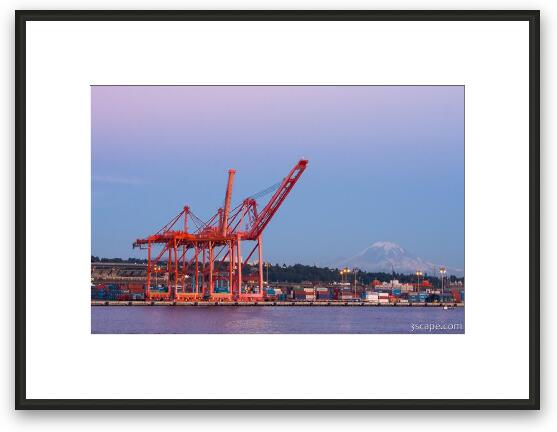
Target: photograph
298	209
344	203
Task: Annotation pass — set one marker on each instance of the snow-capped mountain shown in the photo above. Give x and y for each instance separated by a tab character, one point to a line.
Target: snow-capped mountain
384	256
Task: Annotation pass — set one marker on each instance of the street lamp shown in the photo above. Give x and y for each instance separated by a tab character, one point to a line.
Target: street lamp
442	271
343	273
418	274
267	268
157	269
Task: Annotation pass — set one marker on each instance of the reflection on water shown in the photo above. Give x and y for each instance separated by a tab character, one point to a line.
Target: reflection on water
275	319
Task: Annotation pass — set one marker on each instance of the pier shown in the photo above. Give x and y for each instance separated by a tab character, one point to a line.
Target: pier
269	303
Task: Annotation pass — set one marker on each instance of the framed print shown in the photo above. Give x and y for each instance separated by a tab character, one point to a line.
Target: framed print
277	210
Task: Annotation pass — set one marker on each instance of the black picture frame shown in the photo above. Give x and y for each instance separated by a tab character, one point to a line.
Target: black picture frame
531	16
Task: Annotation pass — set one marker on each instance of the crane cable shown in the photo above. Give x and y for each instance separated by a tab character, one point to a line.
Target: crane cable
200	224
260	194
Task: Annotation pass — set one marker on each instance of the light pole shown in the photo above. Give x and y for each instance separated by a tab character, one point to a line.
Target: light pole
343	273
442	271
239	285
418	274
344	277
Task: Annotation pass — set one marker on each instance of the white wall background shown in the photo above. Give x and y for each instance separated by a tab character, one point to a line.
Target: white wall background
11	420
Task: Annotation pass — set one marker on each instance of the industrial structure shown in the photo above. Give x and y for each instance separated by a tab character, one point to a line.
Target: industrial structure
204	259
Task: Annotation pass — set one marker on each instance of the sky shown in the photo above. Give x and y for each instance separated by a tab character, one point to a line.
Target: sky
386	163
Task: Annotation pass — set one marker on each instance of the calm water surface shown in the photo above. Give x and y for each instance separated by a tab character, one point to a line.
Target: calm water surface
275	319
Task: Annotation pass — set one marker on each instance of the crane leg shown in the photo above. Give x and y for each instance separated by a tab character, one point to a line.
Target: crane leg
231	270
260	248
148	288
211	259
196	287
239	260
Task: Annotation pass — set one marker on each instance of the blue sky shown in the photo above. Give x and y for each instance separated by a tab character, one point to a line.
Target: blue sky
385	163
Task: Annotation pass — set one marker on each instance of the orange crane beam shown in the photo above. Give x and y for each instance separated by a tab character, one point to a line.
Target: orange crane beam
227	200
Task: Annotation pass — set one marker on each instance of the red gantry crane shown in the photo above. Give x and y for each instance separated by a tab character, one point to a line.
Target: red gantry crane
204	259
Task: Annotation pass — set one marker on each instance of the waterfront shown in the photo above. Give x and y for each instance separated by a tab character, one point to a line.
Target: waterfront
275	319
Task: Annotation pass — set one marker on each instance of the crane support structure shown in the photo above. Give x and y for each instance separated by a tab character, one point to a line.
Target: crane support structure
227	200
204	259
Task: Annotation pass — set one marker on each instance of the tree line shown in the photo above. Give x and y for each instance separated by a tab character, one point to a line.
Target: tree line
298	273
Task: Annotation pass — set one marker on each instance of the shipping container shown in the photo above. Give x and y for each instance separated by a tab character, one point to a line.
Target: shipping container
159	289
220	290
456	295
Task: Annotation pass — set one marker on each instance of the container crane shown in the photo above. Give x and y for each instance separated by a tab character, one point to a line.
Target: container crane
204	259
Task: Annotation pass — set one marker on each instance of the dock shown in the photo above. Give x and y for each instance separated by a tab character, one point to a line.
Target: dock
269	303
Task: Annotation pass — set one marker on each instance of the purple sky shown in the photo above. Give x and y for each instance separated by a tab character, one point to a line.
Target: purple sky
385	163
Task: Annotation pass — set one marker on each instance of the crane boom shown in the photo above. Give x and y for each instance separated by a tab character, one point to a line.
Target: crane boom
277	199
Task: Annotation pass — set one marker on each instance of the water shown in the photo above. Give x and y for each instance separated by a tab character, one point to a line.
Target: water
275	319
